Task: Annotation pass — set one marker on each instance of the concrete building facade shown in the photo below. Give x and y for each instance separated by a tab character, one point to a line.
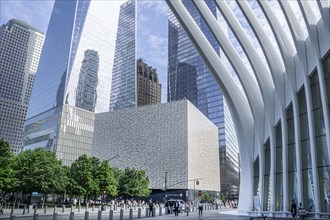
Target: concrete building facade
173	138
20	48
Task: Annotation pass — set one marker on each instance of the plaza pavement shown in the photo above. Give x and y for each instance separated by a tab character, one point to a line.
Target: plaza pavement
223	214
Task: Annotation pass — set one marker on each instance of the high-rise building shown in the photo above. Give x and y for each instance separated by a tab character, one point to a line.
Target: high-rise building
123	89
74	77
148	87
189	78
20	48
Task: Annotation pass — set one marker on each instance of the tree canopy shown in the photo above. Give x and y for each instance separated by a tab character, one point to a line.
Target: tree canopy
8	180
40	171
133	183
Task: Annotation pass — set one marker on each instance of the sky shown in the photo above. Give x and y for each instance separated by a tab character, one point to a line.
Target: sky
152	28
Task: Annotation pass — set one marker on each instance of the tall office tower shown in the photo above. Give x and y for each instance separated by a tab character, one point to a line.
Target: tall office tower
189	77
148	86
74	76
20	48
123	89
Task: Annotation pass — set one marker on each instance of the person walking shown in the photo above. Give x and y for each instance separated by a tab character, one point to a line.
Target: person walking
176	208
151	208
200	208
293	209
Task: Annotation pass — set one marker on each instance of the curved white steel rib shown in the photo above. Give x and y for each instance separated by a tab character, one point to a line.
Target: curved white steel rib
277	70
294	63
235	98
262	74
312	28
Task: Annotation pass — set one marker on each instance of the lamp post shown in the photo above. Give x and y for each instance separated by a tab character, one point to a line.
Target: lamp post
229	190
105	180
196	182
165	183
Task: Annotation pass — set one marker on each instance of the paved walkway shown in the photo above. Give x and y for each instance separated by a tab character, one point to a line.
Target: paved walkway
209	214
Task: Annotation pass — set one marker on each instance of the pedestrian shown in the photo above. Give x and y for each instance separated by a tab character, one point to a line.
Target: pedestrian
151	207
176	208
293	209
200	208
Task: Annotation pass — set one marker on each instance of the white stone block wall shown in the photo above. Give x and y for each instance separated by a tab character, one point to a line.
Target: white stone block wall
155	139
203	151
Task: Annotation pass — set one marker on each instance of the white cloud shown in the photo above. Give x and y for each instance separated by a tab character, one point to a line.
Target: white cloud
36	13
159	6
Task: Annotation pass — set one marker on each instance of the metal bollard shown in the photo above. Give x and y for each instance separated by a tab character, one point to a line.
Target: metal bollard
130	213
86	208
35	217
12	217
153	212
93	207
79	207
86	215
188	210
147	212
12	210
71	215
35	209
45	209
99	215
71	210
55	216
160	211
111	214
54	208
24	210
63	208
121	216
139	212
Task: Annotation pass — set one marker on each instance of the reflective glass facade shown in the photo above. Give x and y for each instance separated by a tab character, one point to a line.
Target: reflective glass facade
20	48
189	78
123	89
75	73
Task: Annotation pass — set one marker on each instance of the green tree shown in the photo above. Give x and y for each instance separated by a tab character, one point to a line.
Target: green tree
8	180
107	180
223	198
133	183
206	197
39	171
83	173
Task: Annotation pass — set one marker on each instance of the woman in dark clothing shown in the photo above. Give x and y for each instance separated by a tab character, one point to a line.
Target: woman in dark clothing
293	209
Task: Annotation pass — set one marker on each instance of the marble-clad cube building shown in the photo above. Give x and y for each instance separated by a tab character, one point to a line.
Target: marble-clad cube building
174	137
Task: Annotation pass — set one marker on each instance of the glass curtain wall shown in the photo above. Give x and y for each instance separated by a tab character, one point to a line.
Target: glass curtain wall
291	155
123	87
267	176
321	145
279	169
307	183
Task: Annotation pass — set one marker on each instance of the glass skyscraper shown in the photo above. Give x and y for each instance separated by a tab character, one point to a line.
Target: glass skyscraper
123	89
189	78
74	77
20	48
